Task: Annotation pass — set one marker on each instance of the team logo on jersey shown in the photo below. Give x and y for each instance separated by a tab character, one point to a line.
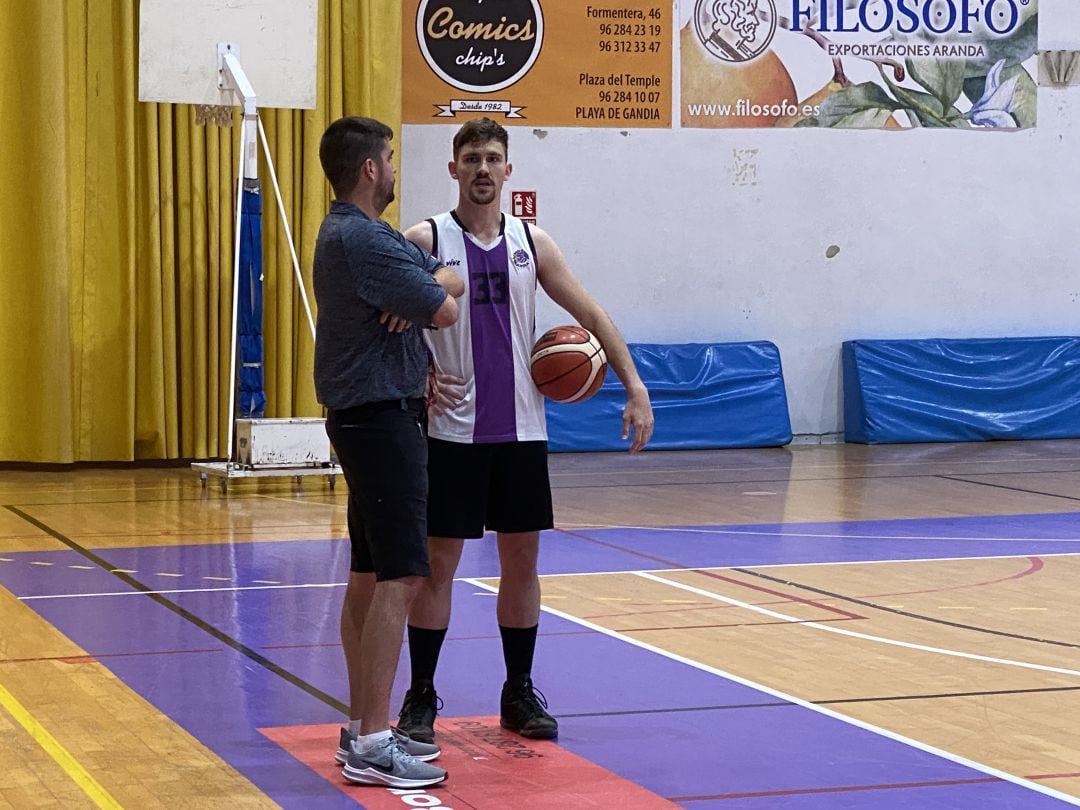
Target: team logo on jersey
521	258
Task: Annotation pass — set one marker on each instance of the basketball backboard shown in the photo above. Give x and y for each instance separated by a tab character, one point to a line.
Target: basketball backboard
275	41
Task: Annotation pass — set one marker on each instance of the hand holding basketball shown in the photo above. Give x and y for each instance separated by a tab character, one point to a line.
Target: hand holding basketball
568	364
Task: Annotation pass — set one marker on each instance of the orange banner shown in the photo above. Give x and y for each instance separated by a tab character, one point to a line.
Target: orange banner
602	63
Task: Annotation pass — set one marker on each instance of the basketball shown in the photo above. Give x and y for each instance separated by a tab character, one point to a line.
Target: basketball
568	364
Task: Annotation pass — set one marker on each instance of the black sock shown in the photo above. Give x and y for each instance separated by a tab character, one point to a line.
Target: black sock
424	647
519	644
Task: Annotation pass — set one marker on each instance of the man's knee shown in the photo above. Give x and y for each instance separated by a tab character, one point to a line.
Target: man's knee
444	555
404	588
518	556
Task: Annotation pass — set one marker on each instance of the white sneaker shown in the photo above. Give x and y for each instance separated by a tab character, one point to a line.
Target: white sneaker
388	764
425	752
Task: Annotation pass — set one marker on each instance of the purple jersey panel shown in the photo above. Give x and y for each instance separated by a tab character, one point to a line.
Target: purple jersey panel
492	346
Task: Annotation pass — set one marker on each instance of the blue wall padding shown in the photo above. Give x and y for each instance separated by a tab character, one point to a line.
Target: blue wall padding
704	395
961	390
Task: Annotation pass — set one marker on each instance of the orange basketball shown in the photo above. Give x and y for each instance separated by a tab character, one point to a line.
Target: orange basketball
568	364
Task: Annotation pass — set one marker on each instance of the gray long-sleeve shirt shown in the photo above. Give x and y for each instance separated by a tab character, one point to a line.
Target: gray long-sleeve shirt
364	268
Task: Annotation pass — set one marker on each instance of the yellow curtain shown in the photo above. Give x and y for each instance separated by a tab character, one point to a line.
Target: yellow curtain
116	234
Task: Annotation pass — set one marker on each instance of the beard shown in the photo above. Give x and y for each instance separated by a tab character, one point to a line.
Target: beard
482	195
384	193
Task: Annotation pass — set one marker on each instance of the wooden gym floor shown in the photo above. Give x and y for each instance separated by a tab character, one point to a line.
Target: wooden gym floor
811	627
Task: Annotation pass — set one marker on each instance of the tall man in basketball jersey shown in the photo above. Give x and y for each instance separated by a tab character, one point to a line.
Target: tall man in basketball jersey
487	462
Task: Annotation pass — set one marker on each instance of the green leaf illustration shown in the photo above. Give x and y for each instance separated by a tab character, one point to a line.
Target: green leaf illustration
1018	47
864	105
924	105
944	78
864	119
927	108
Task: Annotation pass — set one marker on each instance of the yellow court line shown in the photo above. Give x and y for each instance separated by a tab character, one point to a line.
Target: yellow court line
90	786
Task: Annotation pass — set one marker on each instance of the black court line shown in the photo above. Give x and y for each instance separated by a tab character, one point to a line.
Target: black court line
92	659
780	704
1013	489
675	565
817	791
808	791
95	502
905	613
186	615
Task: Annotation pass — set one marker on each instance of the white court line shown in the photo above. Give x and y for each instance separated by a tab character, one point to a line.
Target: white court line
569	574
297	500
752	533
883	732
840	631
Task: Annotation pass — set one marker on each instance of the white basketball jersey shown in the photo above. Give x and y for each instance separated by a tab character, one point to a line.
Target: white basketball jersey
491	343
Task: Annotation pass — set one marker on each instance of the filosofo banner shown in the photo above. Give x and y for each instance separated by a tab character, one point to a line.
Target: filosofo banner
891	64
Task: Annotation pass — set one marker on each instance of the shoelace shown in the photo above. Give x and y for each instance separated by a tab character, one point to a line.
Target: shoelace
530	694
398	752
392	747
418	705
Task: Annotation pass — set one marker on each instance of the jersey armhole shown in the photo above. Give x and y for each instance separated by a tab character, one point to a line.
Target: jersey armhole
532	245
435	237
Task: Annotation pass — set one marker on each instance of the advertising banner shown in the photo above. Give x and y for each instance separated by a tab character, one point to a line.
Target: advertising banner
862	64
892	64
600	63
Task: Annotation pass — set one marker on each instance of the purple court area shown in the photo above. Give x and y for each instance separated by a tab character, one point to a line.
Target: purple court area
692	736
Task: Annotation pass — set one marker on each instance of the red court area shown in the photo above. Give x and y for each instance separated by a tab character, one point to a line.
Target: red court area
488	767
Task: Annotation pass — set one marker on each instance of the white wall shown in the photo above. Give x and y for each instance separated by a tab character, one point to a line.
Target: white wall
720	235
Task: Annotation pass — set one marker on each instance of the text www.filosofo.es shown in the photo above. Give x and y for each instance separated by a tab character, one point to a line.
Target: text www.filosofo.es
745	107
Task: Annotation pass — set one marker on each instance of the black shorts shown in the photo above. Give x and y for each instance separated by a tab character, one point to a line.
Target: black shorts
382	449
501	487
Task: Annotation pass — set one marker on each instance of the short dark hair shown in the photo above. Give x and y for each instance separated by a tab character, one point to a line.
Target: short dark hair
481	130
344	147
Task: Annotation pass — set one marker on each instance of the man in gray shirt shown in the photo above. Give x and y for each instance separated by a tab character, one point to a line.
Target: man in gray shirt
371	373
